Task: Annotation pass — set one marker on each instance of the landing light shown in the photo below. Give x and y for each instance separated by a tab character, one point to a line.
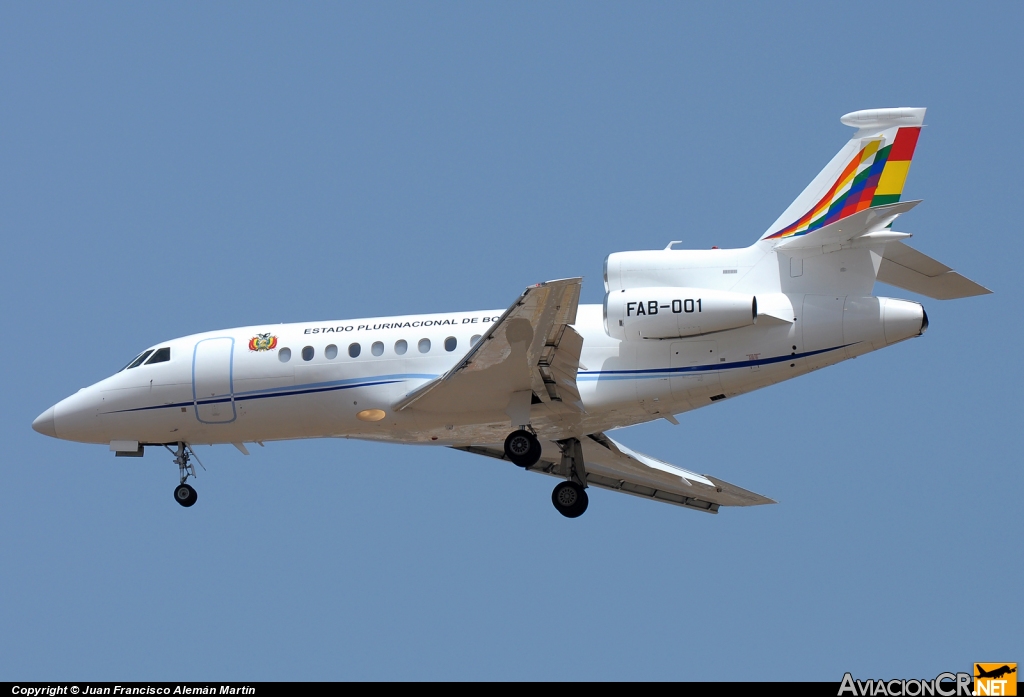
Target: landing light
371	415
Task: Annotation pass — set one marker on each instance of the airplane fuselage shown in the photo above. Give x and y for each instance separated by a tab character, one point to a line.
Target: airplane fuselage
342	378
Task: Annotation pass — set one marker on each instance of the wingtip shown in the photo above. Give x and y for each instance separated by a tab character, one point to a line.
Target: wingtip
739	495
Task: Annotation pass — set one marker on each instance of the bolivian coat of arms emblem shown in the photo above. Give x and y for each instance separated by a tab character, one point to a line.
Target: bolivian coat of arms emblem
263	342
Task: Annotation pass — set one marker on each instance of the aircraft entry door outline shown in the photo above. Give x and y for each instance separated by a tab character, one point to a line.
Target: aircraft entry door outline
213	394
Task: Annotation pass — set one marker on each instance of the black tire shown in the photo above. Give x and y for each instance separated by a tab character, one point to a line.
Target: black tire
535	450
185	495
522	448
570	499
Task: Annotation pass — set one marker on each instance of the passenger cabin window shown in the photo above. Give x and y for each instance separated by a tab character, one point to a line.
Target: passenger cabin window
307	353
138	361
474	339
284	355
354	349
401	346
161	355
378	348
424	345
450	343
331	352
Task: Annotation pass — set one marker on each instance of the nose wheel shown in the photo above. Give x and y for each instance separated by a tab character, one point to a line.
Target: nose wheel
570	499
185	495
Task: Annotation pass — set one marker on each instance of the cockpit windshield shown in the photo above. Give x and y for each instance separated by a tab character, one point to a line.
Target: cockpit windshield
138	360
161	355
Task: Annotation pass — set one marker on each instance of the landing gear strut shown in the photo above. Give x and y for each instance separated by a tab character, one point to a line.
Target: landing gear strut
522	448
183	493
570	497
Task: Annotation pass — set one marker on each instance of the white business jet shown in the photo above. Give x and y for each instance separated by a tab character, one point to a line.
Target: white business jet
541	383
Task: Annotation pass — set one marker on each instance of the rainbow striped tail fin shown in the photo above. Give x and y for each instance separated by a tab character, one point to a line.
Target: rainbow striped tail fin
869	171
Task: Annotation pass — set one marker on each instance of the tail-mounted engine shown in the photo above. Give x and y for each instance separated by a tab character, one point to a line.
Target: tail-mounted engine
672	313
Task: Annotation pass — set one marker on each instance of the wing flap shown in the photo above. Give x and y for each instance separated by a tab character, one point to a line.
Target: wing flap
905	267
555	377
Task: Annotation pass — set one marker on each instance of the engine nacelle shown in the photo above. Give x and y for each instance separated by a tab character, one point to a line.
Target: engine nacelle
672	313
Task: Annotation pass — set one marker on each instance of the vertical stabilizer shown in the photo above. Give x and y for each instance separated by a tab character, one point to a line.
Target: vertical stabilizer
869	171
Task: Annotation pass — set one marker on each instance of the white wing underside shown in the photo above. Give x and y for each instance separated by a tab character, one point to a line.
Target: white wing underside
611	465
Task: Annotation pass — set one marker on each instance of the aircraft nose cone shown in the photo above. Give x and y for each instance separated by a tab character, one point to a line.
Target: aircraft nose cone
44	424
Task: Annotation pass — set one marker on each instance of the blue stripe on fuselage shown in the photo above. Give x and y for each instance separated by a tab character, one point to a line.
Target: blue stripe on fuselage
641	374
582	376
291	390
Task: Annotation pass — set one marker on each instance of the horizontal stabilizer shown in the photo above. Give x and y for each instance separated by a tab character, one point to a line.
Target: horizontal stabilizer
857	225
907	268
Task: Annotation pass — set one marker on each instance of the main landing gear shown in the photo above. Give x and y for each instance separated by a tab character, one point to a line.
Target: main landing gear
183	493
569	497
522	448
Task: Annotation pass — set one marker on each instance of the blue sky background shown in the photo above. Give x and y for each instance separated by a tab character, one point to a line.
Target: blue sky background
174	168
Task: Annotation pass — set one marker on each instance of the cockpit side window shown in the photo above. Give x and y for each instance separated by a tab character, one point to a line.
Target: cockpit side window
138	361
161	355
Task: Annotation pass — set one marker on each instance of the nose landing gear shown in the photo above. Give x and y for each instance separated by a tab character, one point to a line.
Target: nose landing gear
183	493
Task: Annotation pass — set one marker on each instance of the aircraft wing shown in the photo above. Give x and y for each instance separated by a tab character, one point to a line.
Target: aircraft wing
611	465
905	267
530	351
